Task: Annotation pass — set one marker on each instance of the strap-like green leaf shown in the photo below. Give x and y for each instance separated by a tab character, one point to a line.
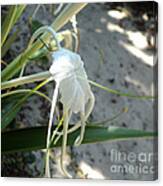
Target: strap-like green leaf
12	105
13	15
24	92
9	42
20	9
118	92
29	139
8	113
8	22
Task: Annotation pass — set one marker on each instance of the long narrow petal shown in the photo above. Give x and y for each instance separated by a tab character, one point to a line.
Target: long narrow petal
54	100
79	139
64	142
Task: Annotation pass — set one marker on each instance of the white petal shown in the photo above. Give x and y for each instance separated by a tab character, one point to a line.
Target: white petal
72	94
68	70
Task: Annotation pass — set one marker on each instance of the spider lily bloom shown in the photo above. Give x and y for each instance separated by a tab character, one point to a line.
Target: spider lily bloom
76	96
68	72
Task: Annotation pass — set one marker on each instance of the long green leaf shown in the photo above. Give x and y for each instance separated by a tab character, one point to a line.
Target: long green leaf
8	22
20	9
7	112
29	139
24	92
46	74
118	92
9	42
11	103
11	106
13	15
25	79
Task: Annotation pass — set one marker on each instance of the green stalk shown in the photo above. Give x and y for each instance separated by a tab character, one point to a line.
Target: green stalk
59	22
20	91
13	15
7	25
129	95
103	122
6	117
19	12
8	43
46	74
26	79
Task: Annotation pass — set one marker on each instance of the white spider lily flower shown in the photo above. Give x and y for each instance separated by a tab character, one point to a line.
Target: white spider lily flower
71	80
68	71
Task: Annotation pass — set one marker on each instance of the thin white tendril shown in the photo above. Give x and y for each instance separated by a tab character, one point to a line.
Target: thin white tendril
36	34
74	23
84	114
67	111
58	9
55	94
35	11
65	132
67	116
89	108
54	100
73	20
79	139
43	30
84	118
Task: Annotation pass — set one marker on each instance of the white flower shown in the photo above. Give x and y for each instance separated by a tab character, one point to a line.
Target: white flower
71	80
68	71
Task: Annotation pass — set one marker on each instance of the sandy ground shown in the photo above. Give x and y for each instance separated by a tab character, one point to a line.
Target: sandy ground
114	56
126	67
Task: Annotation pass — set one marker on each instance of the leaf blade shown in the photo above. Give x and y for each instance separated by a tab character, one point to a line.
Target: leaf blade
8	22
9	42
28	139
9	114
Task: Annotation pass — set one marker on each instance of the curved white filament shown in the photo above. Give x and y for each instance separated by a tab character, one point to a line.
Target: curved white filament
67	70
39	31
67	116
54	100
43	30
84	118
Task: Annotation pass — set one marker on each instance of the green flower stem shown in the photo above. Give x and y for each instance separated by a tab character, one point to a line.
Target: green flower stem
24	80
7	25
46	74
129	95
19	12
13	15
59	22
19	91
